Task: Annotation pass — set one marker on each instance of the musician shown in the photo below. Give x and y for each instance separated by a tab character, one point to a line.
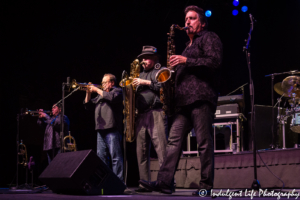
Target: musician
196	100
151	124
108	119
52	142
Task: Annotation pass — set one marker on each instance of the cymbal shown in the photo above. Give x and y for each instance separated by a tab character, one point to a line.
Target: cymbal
278	88
290	85
293	72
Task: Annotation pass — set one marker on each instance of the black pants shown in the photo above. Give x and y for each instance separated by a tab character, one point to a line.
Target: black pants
200	117
150	127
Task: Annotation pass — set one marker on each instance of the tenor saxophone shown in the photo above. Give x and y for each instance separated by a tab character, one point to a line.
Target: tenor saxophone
166	76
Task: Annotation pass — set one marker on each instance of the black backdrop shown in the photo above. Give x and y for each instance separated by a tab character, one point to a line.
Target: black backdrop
45	41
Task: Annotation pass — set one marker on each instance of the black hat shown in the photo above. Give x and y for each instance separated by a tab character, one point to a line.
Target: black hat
148	50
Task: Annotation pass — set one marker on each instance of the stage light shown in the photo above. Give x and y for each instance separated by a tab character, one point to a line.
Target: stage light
235	2
208	13
235	12
244	9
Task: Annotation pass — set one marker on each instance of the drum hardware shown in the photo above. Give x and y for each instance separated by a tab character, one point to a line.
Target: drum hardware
290	88
281	119
295	114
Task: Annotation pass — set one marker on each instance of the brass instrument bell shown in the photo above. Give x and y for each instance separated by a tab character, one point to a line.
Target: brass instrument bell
164	74
69	145
22	154
83	86
134	73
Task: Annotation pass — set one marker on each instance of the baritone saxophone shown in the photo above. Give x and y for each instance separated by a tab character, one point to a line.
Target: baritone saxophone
129	102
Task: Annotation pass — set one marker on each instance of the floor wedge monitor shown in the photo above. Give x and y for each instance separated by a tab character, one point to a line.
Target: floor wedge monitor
81	172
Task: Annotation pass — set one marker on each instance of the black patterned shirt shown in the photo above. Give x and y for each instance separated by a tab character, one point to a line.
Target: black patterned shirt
52	132
198	79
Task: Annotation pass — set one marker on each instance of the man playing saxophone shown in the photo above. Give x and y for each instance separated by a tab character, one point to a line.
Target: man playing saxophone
108	119
196	97
52	143
151	124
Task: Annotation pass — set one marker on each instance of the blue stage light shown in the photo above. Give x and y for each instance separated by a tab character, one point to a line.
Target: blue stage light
244	9
235	2
208	13
235	12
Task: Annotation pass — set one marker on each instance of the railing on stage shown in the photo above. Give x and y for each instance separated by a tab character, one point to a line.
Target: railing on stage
224	120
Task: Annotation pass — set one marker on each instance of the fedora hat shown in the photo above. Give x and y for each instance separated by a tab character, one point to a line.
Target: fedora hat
148	50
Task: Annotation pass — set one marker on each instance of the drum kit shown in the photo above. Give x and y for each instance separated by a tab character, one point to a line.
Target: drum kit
289	88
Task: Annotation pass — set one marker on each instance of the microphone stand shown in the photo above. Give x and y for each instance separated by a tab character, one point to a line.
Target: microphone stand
255	184
124	74
243	95
241	87
62	127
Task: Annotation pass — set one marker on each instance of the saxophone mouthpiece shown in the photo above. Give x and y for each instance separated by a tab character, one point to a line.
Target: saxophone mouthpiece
180	28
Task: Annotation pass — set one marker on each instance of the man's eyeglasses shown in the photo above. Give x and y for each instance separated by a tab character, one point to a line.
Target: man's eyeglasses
105	82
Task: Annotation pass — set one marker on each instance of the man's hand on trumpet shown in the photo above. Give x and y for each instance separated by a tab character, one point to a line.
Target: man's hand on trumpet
90	89
41	113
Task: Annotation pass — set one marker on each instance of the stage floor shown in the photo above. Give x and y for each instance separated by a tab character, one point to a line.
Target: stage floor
179	194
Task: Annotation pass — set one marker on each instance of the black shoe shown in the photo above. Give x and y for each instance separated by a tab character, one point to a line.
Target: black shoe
140	189
157	186
202	193
128	191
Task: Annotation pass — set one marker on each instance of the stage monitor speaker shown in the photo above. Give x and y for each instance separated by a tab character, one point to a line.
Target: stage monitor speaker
81	172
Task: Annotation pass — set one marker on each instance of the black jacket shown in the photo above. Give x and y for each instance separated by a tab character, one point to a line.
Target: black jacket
148	96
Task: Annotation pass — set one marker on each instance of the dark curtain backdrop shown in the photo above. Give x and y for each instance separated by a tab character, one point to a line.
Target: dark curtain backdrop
43	42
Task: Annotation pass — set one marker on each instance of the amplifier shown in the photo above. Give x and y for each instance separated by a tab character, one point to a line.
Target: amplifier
227	109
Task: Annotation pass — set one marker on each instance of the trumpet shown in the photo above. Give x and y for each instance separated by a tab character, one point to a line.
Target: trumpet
35	113
83	86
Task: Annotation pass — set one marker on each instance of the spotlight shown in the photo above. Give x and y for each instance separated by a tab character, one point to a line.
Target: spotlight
208	13
235	2
244	9
235	12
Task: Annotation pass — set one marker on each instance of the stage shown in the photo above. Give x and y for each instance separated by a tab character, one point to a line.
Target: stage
233	179
234	171
179	194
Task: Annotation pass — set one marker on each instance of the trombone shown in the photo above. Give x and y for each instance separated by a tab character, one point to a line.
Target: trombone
83	86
